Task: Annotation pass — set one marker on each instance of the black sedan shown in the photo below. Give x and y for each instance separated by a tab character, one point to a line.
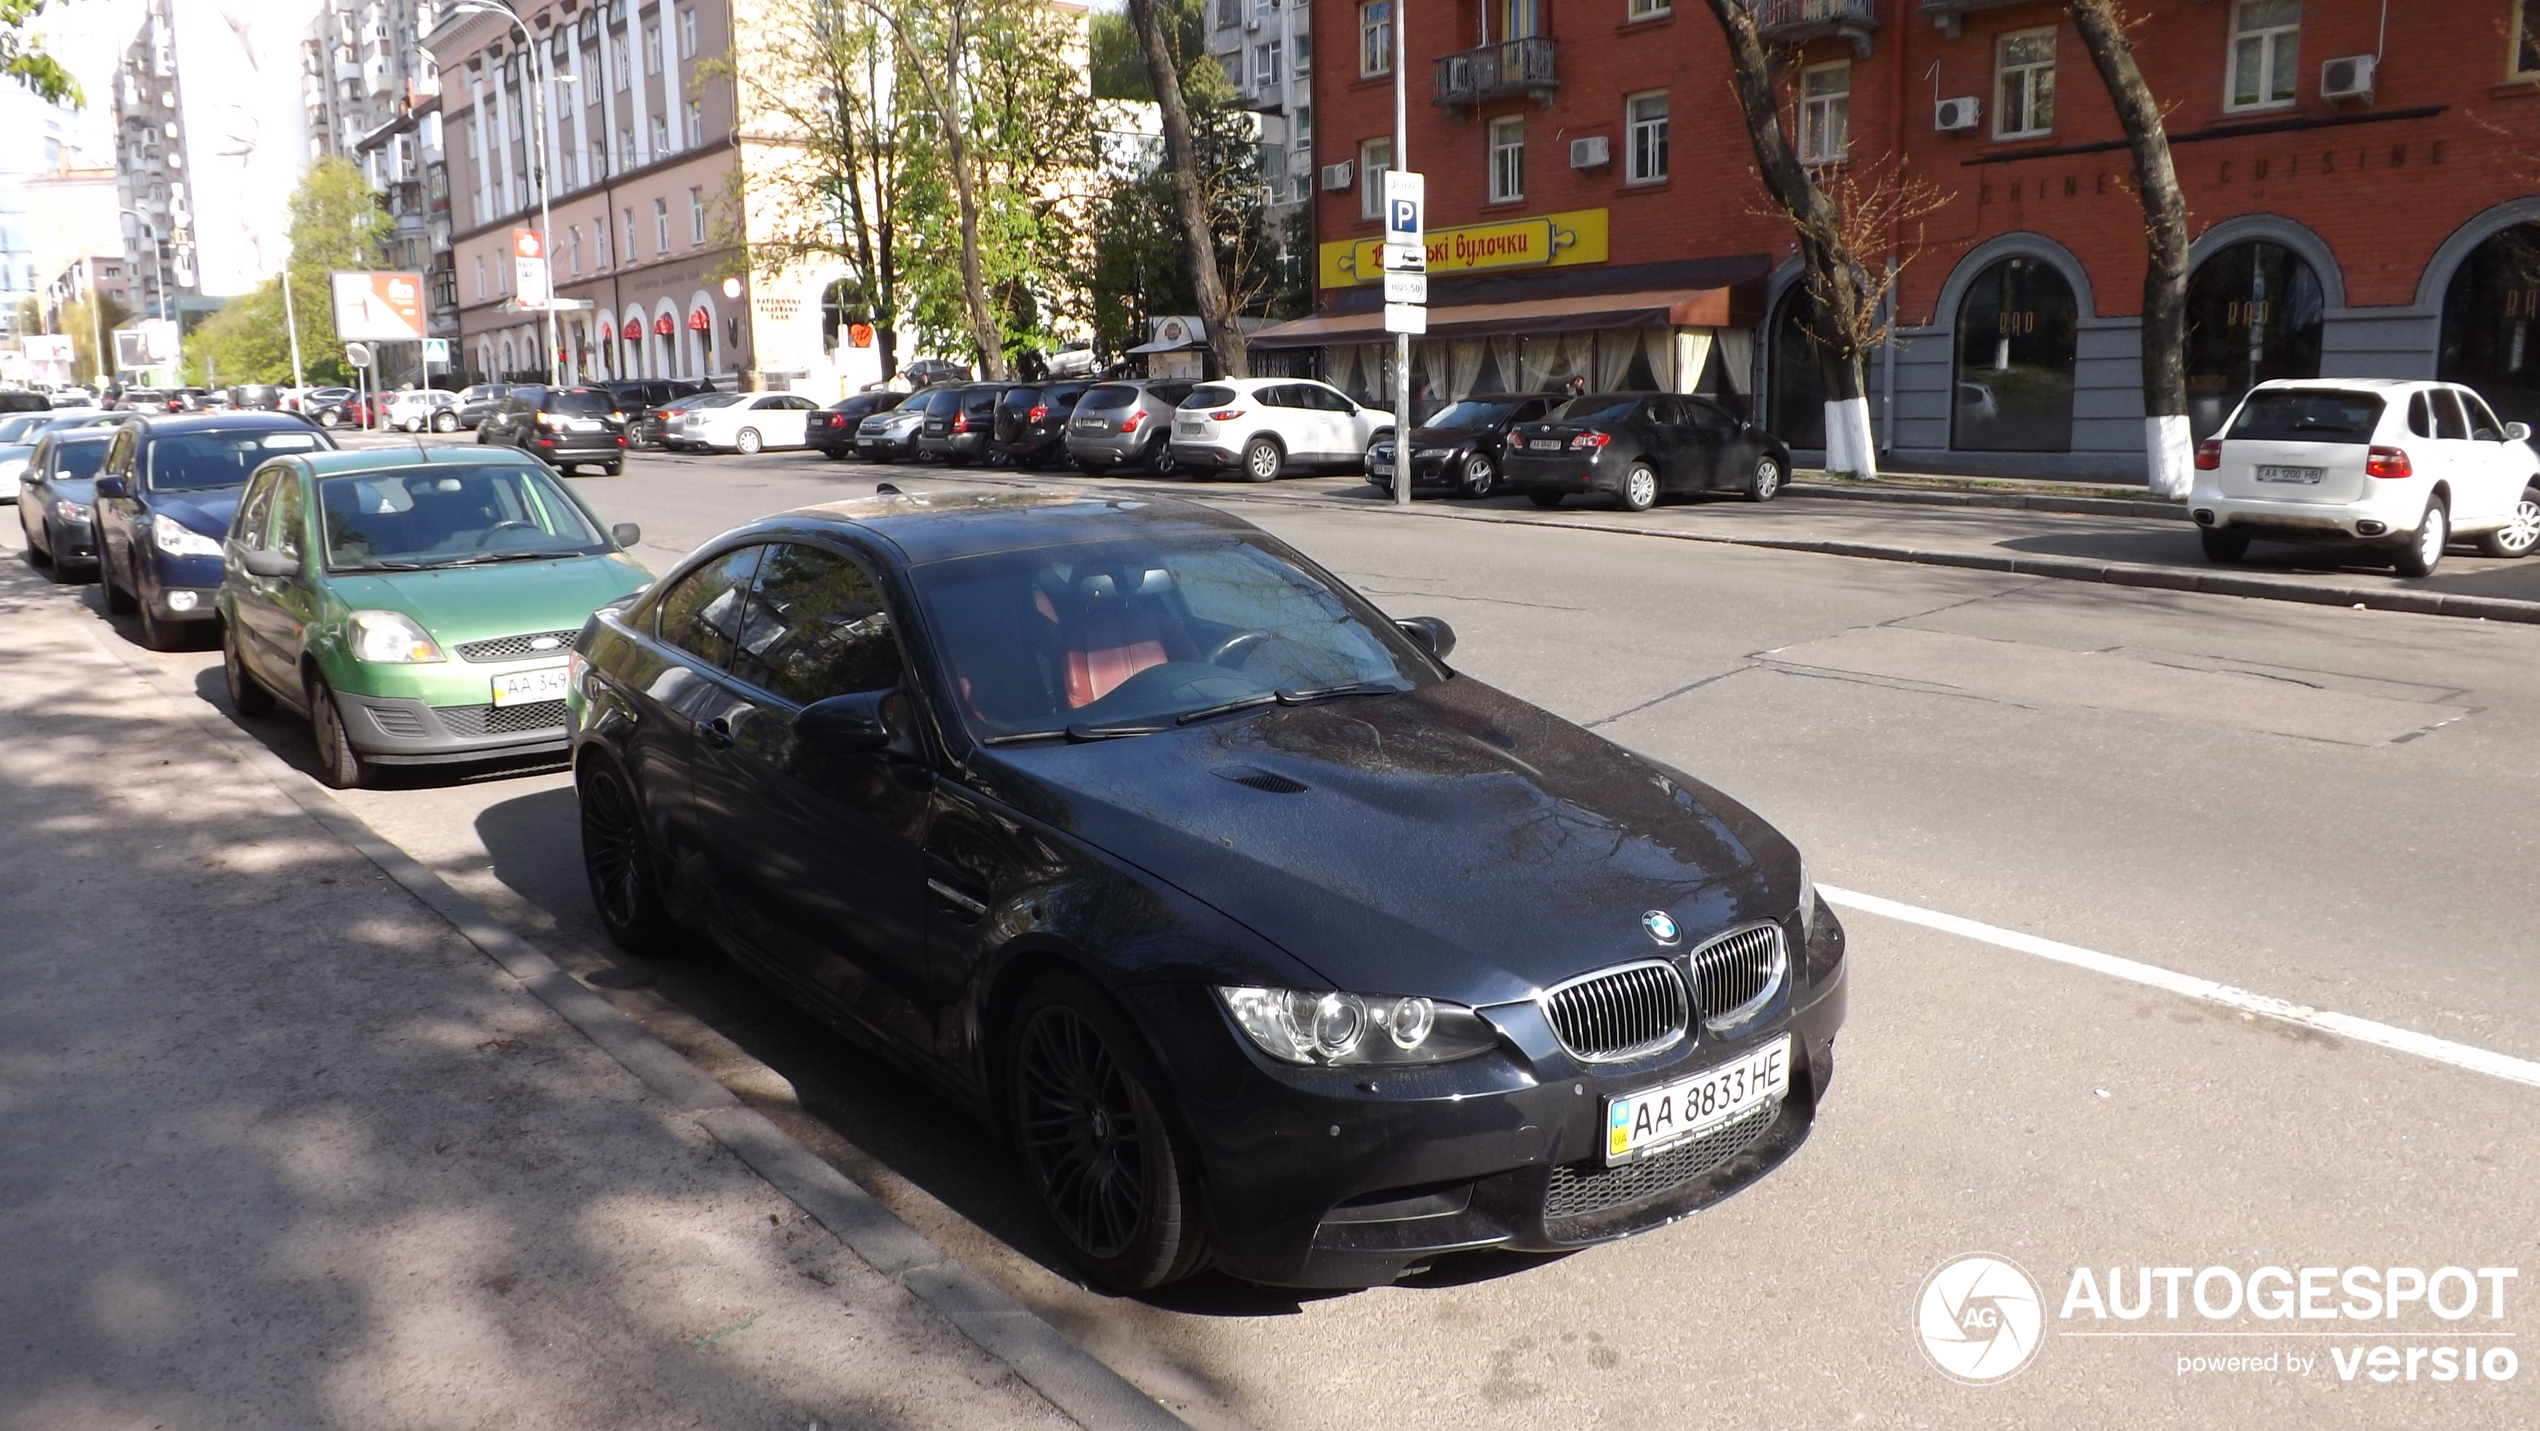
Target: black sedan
831	431
57	500
1461	449
1640	447
1263	935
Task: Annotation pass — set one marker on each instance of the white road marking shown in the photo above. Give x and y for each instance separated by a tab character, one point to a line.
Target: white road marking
2399	1040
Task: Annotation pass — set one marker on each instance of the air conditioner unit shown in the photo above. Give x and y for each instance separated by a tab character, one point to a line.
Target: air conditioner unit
1951	115
1594	152
1338	177
2349	77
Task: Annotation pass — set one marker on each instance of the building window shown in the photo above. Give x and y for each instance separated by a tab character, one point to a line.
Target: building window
661	134
687	34
2491	323
600	240
1230	13
629	215
696	124
617	58
1825	112
1645	9
1303	60
480	277
652	52
1301	128
2024	84
661	226
2265	52
1375	37
1375	156
1508	159
2017	331
1265	65
2526	52
2254	313
696	216
573	251
1645	115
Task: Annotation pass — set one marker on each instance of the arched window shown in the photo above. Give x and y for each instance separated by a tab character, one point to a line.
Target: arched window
2014	382
2491	324
2253	313
1796	400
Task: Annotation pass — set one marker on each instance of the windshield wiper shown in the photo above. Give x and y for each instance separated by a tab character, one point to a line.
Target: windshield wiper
1226	707
1113	732
493	558
1020	736
1352	688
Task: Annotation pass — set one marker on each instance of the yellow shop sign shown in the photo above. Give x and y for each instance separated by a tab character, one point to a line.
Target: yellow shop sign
1547	241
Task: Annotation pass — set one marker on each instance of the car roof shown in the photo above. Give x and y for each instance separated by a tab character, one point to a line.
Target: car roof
345	461
176	422
2333	384
941	526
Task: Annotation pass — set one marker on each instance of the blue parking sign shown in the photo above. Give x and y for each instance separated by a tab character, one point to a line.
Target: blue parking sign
1404	196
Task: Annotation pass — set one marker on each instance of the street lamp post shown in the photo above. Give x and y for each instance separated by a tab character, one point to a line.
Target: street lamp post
539	80
158	263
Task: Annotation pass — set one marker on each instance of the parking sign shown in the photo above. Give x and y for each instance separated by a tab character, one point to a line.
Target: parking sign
1405	197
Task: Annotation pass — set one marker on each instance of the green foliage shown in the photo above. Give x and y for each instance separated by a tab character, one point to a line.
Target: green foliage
26	62
244	342
337	223
1120	67
83	326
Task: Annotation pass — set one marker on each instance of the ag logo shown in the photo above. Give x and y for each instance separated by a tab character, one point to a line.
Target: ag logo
1979	1318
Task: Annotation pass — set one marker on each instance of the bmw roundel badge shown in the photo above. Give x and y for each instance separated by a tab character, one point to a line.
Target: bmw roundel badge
1660	926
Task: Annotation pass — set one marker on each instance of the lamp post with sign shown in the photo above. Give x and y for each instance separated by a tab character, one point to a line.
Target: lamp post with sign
539	78
1406	257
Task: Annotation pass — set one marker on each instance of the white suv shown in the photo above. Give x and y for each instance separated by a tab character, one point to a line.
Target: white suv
2385	461
1265	426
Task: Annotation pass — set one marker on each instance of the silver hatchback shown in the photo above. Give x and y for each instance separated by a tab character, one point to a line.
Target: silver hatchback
1126	423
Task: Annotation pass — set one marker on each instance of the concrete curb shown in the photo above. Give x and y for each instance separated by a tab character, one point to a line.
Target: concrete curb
2022	501
1068	1377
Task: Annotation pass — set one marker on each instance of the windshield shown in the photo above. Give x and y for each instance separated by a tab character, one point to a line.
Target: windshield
78	460
691	404
2312	416
204	461
1125	637
23	427
1468	414
445	515
1600	407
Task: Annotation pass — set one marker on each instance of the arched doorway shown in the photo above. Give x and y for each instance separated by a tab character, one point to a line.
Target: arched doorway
2013	386
2489	317
2253	314
1796	399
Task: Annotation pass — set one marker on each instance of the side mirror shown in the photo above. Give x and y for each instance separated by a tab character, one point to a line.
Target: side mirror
626	534
2517	432
263	561
1430	634
851	724
114	489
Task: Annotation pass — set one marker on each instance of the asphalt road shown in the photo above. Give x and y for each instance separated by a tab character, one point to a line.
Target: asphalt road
2322	805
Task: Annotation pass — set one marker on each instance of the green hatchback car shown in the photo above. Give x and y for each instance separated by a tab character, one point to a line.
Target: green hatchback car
417	606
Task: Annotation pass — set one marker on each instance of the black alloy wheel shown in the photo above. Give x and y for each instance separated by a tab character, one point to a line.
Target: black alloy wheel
616	861
157	635
1160	461
247	695
1101	1152
2222	546
339	765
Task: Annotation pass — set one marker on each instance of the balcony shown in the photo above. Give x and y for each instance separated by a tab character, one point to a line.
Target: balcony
1792	22
1950	16
1523	66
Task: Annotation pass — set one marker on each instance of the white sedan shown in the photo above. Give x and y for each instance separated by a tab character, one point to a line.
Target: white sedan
752	423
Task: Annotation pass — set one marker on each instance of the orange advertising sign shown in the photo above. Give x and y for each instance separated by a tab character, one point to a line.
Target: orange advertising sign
379	307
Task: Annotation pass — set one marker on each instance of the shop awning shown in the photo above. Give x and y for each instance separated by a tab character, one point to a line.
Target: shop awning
1677	307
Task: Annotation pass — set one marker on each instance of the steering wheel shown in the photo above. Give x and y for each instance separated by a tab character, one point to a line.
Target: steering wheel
507	524
1241	643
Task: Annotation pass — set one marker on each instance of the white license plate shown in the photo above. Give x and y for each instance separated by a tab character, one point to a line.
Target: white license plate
521	688
1381	469
582	424
1544	445
1186	429
2304	475
1091	424
1638	1124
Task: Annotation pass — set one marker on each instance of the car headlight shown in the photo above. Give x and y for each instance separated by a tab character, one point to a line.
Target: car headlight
179	540
1295	1026
70	511
391	638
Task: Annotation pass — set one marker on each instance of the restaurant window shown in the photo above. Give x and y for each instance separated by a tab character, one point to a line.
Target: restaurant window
1825	112
2017	330
2491	324
1645	117
1795	395
1375	37
2524	60
2265	52
2024	84
1508	159
2253	314
1375	156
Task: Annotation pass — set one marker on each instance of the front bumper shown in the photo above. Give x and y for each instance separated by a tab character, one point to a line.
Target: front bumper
1352	1177
886	444
179	589
1430	467
404	730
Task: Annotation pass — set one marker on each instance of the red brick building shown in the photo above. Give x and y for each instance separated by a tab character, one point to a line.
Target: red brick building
2365	201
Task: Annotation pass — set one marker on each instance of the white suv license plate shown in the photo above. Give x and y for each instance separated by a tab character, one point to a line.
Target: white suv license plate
1638	1124
1186	429
521	688
2304	475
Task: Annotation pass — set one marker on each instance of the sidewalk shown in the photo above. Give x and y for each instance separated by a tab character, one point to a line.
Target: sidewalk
280	1147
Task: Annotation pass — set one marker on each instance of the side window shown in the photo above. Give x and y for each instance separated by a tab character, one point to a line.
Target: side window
1327	399
2448	422
2420	421
255	511
2482	423
816	628
290	515
1531	410
119	461
798	403
1706	417
703	612
1665	412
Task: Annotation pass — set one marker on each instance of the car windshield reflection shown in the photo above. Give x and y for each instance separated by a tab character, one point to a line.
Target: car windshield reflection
208	461
450	516
1131	637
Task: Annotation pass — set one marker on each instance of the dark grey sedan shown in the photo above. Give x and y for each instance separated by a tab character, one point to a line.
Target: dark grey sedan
57	499
1639	447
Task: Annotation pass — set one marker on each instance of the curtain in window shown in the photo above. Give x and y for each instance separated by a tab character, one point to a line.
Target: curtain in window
1737	358
1692	347
1463	366
1615	349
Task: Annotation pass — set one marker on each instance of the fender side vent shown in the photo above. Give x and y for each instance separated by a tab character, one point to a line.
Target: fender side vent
1265	781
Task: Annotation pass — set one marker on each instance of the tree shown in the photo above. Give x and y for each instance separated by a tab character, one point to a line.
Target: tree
337	222
245	342
934	42
82	326
25	61
2167	443
1214	297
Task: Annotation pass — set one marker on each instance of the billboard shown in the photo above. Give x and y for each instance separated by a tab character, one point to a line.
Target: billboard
379	307
529	268
46	347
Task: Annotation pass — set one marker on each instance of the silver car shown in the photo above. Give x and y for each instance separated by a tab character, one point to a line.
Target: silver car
1124	423
891	434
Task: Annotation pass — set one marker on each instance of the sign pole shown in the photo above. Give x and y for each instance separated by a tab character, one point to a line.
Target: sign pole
1402	423
291	320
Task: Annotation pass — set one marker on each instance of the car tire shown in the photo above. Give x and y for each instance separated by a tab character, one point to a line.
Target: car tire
1639	491
445	422
1126	1204
747	442
613	469
247	695
1092	469
617	861
1544	499
39	553
327	418
118	601
834	454
2425	549
2519	535
1479	479
2222	545
339	764
156	636
1160	461
1765	482
1262	459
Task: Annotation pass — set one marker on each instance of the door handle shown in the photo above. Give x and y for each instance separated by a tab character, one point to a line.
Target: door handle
716	733
956	898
